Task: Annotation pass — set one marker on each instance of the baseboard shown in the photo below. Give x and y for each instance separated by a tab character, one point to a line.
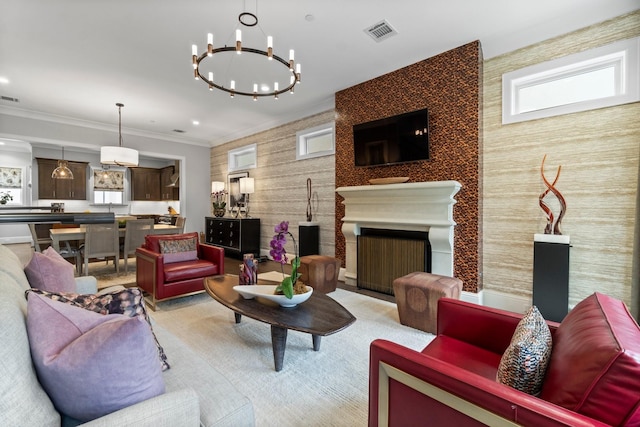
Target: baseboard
515	303
473	297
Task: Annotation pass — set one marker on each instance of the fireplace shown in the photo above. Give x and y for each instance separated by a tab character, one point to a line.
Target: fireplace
419	207
384	255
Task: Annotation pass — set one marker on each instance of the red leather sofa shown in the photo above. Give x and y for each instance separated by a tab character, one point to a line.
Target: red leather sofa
593	376
163	280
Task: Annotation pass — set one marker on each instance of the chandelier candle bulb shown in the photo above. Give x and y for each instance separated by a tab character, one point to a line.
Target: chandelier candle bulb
194	57
239	41
291	56
209	44
270	48
298	72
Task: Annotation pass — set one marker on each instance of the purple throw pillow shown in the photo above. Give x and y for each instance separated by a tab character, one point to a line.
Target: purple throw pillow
50	272
91	364
128	301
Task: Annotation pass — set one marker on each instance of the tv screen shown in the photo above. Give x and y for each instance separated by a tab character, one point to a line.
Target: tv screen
397	139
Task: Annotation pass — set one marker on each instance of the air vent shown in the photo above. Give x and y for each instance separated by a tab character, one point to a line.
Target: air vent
179	131
8	98
381	31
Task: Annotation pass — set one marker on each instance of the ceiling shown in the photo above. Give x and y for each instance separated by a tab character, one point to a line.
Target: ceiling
72	61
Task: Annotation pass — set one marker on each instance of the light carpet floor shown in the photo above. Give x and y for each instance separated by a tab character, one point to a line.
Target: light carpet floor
324	388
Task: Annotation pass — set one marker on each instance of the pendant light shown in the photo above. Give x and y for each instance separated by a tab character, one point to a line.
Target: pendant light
62	171
119	155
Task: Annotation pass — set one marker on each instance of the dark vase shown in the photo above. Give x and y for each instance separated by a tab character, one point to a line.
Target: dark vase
218	212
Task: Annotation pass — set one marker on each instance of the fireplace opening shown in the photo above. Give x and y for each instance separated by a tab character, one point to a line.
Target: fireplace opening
384	255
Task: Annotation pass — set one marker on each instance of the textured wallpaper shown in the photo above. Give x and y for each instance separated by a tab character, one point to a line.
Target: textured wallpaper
449	85
599	153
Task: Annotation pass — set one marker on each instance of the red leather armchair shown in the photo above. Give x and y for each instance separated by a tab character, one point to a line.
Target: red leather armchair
163	280
592	378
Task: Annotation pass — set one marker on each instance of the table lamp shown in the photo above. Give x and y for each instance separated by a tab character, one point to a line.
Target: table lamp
247	186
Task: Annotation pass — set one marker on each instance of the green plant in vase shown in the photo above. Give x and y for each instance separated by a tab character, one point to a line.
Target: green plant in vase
290	284
5	197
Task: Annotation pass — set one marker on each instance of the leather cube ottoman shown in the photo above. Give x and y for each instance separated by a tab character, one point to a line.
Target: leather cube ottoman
417	296
320	272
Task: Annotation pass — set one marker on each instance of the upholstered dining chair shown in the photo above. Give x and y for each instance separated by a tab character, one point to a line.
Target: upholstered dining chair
134	234
180	221
101	241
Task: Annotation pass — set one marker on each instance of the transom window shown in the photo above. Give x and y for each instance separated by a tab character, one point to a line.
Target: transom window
597	78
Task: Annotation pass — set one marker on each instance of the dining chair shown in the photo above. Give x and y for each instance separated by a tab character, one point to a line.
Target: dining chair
180	221
101	241
134	234
42	240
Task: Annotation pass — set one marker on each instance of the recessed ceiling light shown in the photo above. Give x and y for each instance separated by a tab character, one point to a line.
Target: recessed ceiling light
195	122
4	80
264	87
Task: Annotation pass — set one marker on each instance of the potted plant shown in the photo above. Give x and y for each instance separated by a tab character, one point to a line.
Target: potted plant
5	197
219	202
290	285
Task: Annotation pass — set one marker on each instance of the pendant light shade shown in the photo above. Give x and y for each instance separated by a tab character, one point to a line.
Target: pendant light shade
119	155
62	171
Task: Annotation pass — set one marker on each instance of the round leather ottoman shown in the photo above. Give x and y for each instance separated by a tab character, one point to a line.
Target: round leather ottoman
320	272
417	296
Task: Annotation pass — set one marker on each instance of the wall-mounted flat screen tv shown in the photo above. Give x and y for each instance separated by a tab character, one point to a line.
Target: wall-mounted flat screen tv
398	139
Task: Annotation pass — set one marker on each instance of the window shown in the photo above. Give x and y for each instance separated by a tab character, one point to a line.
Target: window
11	180
597	78
315	142
108	187
242	158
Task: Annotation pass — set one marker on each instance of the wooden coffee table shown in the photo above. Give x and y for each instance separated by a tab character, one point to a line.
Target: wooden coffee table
320	315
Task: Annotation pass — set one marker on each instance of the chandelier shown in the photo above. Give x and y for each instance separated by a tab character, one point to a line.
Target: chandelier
214	71
119	155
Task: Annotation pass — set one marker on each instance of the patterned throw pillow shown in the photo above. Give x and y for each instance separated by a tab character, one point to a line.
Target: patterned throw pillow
129	302
524	363
179	250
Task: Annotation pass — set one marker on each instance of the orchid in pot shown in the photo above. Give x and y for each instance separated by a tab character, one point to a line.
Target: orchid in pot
219	202
290	284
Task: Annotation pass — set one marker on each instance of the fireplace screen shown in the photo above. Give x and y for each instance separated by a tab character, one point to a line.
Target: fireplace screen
385	255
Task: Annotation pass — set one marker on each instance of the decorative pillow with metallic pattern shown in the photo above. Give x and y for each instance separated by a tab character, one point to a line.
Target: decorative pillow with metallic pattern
179	250
129	302
524	363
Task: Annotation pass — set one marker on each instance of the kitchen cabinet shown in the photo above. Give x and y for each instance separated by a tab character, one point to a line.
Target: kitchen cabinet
151	184
62	189
145	184
237	236
168	191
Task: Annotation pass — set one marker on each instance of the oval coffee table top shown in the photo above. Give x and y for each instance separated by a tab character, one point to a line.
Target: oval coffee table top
319	315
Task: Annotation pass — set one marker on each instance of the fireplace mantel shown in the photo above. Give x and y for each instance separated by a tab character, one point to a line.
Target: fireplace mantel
416	206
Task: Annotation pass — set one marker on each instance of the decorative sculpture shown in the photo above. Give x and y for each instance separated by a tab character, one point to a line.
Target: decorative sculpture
552	227
309	214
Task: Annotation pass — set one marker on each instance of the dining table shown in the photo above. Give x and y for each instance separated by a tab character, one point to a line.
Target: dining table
78	233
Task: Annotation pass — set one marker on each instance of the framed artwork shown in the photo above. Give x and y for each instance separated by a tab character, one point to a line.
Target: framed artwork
235	199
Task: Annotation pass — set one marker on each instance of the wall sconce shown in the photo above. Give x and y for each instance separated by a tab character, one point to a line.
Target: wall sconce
247	186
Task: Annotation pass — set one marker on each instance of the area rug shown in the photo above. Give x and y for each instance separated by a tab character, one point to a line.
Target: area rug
324	388
106	274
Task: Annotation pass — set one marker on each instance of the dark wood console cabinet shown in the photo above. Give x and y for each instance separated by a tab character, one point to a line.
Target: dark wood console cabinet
237	236
62	189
